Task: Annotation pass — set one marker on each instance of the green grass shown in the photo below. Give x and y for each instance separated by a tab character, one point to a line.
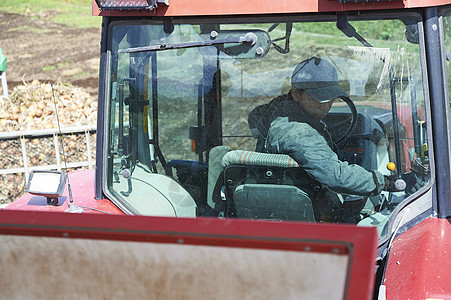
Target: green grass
65	63
53	67
73	13
81	75
28	28
48	68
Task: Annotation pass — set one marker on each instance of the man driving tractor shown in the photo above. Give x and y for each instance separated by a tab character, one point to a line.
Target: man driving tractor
292	124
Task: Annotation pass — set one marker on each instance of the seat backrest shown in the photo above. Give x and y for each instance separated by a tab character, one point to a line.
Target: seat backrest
214	172
272	201
265	186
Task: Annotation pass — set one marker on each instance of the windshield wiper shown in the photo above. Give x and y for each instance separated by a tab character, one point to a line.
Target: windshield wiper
249	37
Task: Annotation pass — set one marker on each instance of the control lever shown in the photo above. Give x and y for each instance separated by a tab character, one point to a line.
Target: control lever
394	183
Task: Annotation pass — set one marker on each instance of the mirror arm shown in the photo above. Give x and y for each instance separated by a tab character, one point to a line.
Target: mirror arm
349	30
288	29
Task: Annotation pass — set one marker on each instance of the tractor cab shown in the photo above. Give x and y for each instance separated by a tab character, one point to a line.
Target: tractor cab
180	138
206	124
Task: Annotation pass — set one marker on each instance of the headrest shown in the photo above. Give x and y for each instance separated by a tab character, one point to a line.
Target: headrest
251	158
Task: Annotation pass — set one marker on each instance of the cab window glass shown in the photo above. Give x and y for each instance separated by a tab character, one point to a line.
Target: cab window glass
279	121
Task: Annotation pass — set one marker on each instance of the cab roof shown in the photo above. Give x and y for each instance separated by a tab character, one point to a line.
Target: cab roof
263	7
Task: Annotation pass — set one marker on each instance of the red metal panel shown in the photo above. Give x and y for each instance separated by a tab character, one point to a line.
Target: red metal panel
249	7
425	3
419	265
359	242
82	183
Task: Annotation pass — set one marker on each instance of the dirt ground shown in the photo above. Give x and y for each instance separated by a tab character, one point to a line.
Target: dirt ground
37	49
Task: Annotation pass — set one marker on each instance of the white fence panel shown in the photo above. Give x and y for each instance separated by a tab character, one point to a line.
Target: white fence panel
41	133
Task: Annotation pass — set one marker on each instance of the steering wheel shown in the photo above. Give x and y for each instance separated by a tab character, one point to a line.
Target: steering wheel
352	122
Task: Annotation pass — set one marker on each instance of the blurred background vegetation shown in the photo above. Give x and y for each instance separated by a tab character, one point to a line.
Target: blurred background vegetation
73	13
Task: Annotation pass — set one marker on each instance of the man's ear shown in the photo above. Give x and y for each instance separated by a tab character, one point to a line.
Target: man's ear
296	94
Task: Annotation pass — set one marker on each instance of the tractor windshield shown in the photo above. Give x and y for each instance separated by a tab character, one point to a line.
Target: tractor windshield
306	120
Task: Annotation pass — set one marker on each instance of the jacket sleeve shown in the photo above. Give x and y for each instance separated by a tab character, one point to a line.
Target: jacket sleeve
305	145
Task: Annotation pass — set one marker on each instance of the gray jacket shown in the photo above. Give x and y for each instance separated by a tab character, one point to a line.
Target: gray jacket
284	127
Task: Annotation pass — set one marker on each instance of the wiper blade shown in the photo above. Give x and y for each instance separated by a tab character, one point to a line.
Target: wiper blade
249	37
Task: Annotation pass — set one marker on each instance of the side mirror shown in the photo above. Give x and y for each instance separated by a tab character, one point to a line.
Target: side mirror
49	184
412	34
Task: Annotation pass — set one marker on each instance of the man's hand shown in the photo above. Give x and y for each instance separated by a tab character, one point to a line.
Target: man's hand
394	184
408	182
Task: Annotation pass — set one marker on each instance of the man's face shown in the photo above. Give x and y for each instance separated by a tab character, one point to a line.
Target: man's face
313	107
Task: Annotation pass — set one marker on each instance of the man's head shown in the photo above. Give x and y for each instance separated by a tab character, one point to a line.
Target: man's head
314	108
314	85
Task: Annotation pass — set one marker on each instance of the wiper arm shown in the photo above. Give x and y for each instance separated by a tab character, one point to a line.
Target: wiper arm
249	37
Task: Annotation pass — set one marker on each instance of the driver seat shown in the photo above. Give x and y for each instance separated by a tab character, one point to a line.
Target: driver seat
264	186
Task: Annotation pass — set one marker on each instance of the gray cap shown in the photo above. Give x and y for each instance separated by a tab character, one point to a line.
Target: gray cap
318	78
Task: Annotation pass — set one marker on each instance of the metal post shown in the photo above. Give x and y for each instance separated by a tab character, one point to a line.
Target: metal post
24	157
104	73
88	146
438	108
57	151
4	85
